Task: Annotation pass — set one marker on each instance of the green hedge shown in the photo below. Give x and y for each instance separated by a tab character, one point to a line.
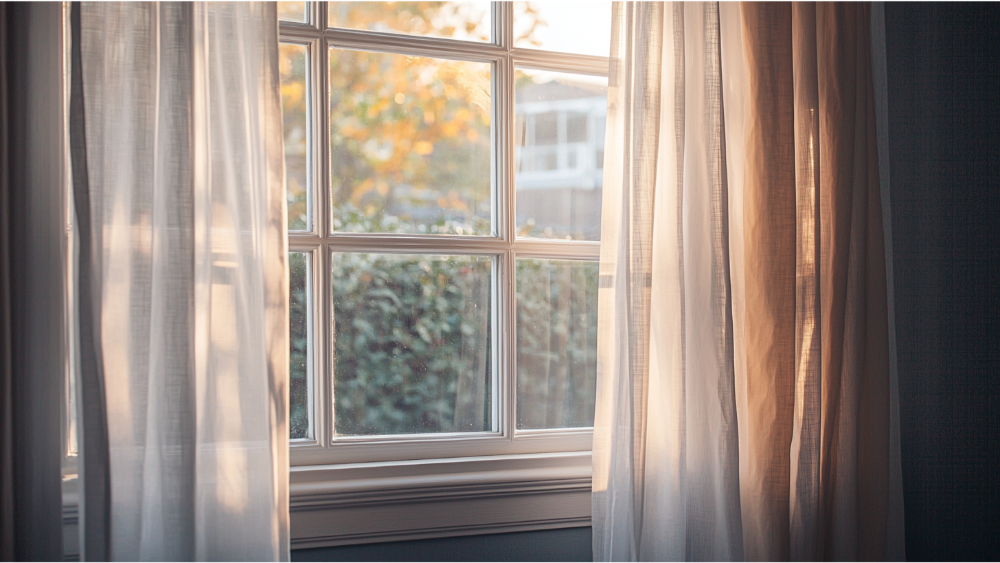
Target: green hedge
411	336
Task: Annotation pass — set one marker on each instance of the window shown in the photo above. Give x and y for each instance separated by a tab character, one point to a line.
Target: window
444	188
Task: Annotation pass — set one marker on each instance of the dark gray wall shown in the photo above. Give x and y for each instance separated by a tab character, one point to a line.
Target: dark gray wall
34	261
569	544
944	129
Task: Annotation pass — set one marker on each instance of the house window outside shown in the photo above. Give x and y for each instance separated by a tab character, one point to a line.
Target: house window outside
444	187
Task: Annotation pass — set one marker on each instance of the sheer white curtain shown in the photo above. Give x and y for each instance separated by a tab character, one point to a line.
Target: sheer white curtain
178	178
746	401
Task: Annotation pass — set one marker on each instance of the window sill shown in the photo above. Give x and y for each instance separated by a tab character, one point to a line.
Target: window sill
403	500
360	503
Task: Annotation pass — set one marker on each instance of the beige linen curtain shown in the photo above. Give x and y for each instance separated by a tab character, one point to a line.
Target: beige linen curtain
183	319
746	400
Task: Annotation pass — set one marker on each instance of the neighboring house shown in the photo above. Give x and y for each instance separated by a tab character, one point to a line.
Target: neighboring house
559	139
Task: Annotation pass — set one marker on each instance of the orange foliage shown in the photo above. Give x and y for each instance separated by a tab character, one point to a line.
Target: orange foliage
405	131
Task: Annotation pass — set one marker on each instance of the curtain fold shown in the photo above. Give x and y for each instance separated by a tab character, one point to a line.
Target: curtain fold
744	388
769	274
181	158
804	476
666	483
33	286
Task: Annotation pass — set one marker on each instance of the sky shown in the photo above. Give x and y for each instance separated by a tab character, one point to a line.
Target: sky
574	27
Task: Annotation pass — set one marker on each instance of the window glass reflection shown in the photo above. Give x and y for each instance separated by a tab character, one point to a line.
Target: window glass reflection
556	343
412	343
469	21
292	64
292	11
299	367
559	131
409	144
571	27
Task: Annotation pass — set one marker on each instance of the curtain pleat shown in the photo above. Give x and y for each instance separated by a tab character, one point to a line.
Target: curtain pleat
769	221
895	529
183	160
713	506
93	460
666	482
854	444
804	477
744	399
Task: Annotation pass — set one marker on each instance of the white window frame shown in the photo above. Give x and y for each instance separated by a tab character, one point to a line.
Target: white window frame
377	488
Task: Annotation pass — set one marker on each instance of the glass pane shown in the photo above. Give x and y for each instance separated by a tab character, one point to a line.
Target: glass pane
412	344
409	144
559	130
570	27
300	358
69	414
292	63
469	21
556	343
292	11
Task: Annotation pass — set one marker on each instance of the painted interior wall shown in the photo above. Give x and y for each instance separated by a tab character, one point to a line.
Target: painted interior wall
944	130
569	544
944	125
